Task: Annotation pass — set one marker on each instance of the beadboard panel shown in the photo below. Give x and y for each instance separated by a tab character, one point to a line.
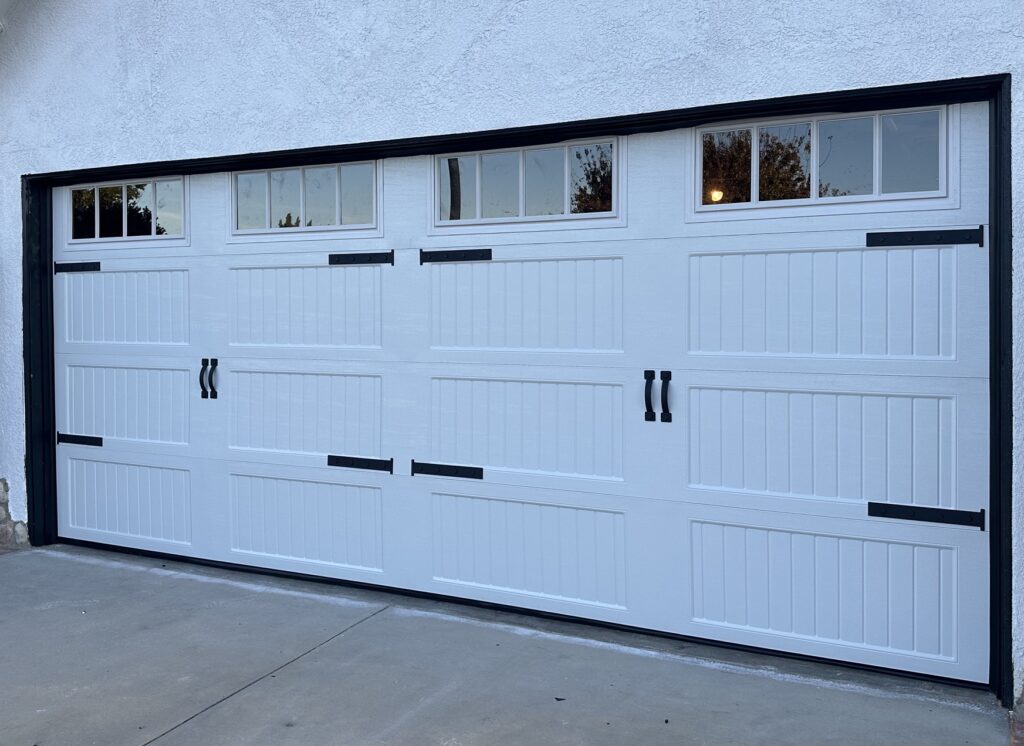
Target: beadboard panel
857	303
572	305
128	499
554	551
551	427
124	307
825	445
325	522
326	306
877	594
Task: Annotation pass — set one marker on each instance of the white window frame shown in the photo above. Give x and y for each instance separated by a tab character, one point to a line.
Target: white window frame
123	183
876	194
523	221
269	230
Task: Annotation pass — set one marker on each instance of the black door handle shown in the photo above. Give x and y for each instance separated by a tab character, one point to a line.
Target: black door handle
202	379
666	415
213	369
648	390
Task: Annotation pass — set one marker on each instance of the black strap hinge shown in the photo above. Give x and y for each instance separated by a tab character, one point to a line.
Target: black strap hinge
928	238
61	267
929	515
80	440
455	255
356	462
447	470
362	257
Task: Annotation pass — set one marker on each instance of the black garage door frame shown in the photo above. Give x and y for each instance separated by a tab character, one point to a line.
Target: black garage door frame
37	293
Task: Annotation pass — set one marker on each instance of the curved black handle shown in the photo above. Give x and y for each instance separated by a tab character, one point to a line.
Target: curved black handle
202	379
648	389
666	415
213	386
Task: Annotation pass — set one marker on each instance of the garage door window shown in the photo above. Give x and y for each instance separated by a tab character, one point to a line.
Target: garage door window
871	156
317	198
128	210
577	180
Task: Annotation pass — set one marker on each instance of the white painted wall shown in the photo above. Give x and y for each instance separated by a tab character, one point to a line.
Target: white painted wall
98	83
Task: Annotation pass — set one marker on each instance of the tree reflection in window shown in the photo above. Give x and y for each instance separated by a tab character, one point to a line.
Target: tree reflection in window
591	174
726	167
140	209
784	163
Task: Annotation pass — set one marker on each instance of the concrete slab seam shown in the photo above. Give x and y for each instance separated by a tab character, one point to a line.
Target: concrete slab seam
257	680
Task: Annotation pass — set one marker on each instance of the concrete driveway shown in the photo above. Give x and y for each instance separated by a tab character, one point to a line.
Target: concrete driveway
104	648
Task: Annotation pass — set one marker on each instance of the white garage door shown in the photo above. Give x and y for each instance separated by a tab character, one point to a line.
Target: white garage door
702	391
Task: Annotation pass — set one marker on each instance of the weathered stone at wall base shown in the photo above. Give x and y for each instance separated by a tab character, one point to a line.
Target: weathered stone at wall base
12	533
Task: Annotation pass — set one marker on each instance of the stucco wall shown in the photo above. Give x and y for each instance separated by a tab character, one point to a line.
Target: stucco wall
101	82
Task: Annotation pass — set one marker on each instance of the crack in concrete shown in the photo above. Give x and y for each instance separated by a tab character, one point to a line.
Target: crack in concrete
267	675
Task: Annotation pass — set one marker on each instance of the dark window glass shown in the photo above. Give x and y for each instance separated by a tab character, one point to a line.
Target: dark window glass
83	213
357	193
784	162
169	208
140	209
458	188
590	175
846	157
910	152
499	185
545	181
321	196
284	199
111	212
726	167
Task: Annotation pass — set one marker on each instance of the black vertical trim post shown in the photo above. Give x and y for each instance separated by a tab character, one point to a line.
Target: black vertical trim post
1000	395
37	311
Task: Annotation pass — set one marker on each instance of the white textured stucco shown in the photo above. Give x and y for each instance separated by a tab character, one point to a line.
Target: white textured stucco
103	82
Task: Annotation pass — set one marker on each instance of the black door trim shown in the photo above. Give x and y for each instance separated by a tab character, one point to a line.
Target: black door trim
37	276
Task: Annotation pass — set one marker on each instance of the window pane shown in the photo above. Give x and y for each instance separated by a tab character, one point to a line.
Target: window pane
458	187
545	181
140	209
111	212
83	213
357	194
846	157
499	185
590	174
321	196
784	162
251	195
726	167
284	199
910	152
170	207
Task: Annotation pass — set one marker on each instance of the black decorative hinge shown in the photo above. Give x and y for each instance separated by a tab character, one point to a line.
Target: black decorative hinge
447	470
929	515
61	267
80	440
928	238
455	255
356	462
362	257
